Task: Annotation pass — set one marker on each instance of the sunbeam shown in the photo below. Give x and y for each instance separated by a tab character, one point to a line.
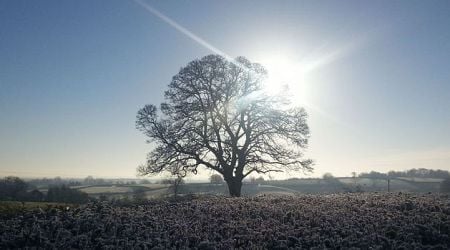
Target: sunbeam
182	29
286	77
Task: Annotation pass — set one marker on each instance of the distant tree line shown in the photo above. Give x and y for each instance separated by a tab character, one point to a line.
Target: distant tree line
412	173
15	189
39	182
258	180
88	181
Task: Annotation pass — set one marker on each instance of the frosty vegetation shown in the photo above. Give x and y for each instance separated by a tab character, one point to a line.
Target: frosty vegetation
368	220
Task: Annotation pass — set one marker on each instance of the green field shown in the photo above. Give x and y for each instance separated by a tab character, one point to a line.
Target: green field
106	189
13	207
123	190
294	186
415	179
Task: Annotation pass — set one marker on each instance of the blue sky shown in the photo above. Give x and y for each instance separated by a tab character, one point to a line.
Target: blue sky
74	73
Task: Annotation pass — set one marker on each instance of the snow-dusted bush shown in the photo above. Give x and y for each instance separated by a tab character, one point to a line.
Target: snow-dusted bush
381	221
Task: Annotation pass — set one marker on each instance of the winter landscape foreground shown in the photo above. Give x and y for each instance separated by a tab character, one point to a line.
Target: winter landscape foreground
336	221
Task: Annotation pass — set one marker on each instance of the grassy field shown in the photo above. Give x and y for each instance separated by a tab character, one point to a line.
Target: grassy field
295	186
414	179
124	190
13	207
106	189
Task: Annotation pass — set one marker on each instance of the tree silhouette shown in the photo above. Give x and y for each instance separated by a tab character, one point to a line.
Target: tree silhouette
216	179
12	188
217	116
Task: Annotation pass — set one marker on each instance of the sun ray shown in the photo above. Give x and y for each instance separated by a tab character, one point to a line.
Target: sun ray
181	29
286	77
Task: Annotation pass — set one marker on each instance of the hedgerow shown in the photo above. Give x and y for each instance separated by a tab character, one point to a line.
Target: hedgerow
341	221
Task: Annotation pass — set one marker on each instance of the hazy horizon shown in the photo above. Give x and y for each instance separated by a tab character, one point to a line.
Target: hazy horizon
373	77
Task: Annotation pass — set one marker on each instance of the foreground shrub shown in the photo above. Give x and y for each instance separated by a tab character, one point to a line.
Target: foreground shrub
341	221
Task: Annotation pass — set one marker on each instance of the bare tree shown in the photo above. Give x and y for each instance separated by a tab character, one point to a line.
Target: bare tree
216	179
217	116
176	185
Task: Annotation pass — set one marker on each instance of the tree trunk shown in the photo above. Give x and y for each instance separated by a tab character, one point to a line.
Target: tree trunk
234	187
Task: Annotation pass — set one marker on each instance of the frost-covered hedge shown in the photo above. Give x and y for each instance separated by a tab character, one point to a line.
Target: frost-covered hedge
381	221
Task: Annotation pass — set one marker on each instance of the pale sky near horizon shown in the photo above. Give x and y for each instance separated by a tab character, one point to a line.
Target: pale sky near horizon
73	74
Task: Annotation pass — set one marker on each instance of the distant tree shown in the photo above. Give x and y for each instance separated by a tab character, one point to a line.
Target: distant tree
72	183
327	176
66	194
335	183
440	174
145	181
392	174
89	180
216	179
260	179
217	116
176	185
12	188
56	181
373	174
445	186
257	180
35	195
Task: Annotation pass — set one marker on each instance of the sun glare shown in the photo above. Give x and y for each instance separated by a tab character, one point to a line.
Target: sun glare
285	77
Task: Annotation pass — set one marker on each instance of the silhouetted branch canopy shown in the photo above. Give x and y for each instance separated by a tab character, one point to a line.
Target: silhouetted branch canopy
216	115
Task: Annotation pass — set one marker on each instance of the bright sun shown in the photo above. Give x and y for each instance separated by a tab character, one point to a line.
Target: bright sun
285	77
